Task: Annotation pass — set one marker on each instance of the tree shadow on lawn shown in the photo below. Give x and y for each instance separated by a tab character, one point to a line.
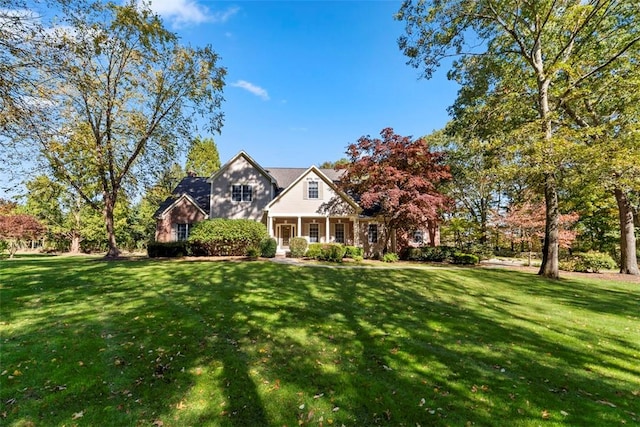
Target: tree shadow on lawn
253	344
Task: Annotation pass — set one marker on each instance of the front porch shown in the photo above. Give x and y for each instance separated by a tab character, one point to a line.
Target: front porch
315	229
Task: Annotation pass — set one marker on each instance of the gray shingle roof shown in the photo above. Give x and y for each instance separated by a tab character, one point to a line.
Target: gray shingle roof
196	187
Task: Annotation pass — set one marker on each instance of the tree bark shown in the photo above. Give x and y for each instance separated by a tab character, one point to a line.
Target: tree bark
549	267
109	205
628	257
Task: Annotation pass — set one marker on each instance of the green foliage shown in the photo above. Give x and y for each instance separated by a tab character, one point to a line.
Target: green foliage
591	261
167	249
4	246
226	237
298	247
268	247
428	253
390	257
469	340
353	252
464	258
333	252
253	252
203	158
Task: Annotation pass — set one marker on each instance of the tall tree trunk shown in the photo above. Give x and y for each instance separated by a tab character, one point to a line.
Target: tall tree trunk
75	242
628	257
109	205
549	267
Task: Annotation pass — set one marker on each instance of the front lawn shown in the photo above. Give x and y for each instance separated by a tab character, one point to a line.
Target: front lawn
174	343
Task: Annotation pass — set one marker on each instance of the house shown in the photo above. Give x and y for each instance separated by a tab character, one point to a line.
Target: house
291	202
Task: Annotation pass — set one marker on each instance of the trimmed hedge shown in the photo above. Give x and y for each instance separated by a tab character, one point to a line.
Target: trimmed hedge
268	247
333	252
298	247
428	253
167	249
465	259
226	237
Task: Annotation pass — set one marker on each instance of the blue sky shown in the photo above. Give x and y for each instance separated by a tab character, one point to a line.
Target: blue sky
307	78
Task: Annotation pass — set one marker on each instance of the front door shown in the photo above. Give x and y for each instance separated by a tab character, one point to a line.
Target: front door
286	232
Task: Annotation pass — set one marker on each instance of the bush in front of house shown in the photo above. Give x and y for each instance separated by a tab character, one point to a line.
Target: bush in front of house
167	249
268	247
464	258
586	262
298	247
353	252
333	252
428	253
390	257
226	237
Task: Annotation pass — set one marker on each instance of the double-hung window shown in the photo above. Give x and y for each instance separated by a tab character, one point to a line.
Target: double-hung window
373	233
339	233
313	191
313	233
182	232
241	193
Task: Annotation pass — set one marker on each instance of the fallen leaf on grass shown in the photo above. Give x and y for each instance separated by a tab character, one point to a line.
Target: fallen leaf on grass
565	413
546	415
77	415
605	402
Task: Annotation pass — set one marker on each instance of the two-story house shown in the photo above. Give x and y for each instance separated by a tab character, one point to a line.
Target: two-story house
291	202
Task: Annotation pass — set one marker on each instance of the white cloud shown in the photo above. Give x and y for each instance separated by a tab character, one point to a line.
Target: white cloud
256	90
185	12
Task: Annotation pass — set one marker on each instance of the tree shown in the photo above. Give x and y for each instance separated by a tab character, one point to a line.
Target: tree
16	228
397	178
122	95
203	158
531	56
327	164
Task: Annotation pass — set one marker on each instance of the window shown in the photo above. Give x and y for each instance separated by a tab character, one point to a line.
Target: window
241	193
182	232
373	233
339	233
313	190
313	233
418	237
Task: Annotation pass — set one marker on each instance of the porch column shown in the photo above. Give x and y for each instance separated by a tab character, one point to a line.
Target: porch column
299	234
327	231
270	226
356	231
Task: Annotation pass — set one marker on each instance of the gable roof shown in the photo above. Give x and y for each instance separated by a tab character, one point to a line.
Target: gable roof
248	159
195	187
287	176
322	176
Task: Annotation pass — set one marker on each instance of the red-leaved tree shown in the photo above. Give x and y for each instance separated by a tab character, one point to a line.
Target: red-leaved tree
15	228
525	224
397	179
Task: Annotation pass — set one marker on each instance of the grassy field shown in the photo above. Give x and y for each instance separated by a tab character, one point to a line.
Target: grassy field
178	343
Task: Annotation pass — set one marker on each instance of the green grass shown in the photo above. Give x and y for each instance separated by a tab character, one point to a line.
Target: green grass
93	343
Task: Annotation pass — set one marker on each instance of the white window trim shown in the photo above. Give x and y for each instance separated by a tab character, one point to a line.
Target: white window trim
242	193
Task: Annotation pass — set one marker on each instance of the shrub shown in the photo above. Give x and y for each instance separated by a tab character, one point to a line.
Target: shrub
219	236
298	246
268	247
314	250
592	261
358	258
253	252
464	258
428	253
4	246
333	252
390	257
167	249
353	252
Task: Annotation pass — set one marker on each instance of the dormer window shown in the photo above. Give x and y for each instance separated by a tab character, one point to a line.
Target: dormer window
241	193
